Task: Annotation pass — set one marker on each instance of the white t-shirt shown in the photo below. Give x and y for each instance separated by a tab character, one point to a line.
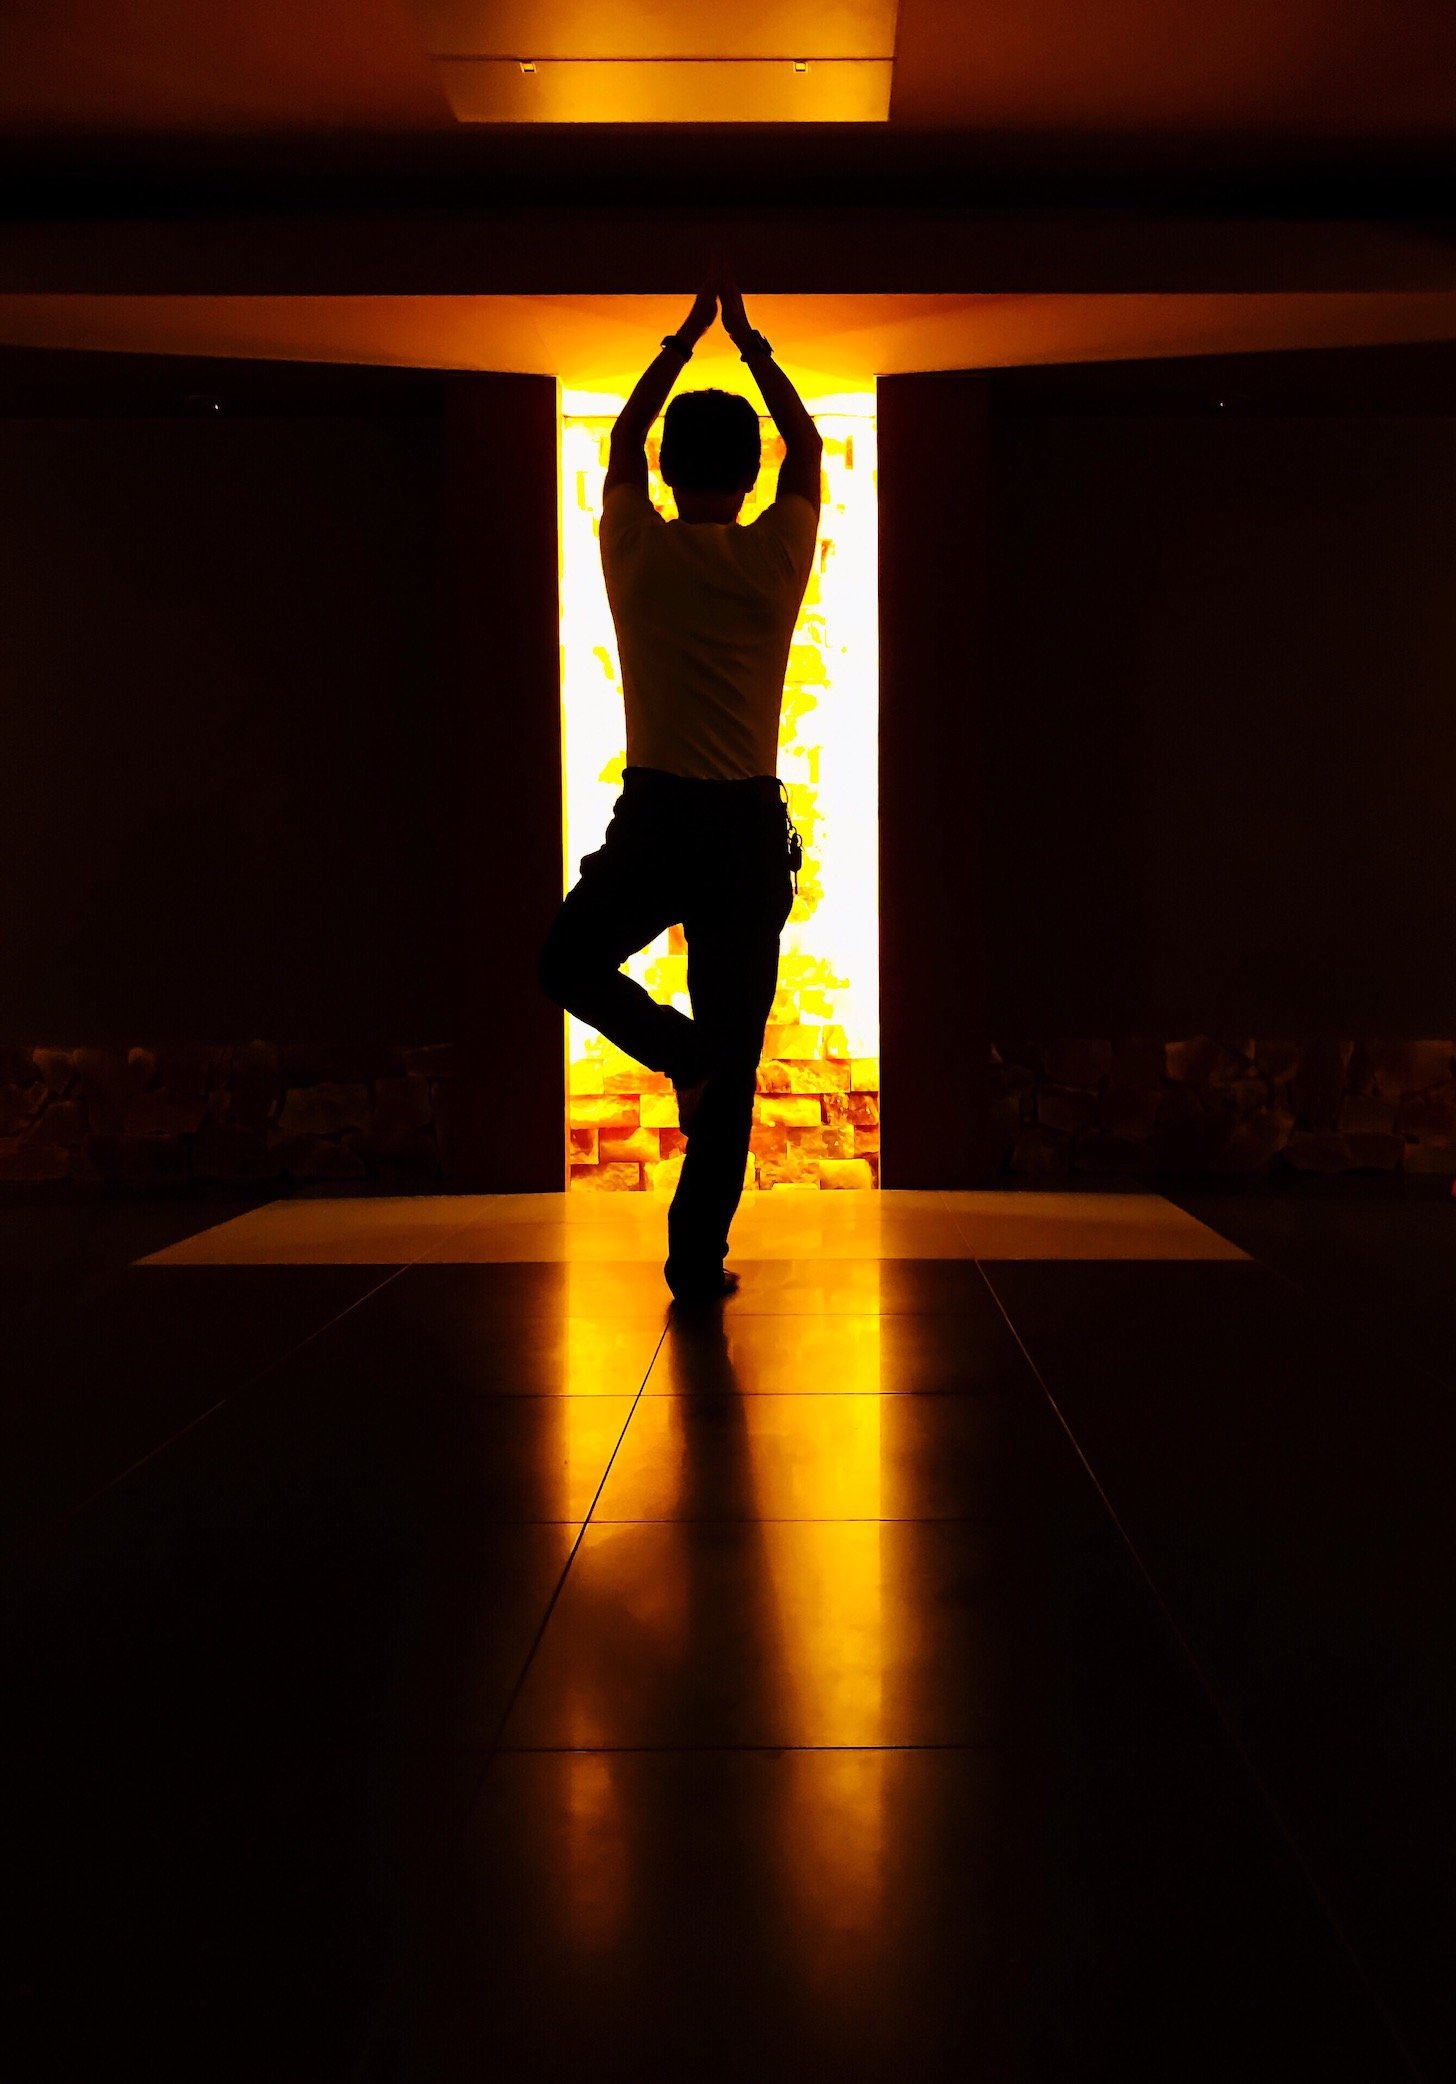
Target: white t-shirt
705	611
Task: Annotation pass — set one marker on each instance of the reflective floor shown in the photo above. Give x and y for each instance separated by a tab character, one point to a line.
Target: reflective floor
1008	1639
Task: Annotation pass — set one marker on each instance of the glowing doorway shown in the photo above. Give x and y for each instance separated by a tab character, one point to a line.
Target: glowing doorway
816	1115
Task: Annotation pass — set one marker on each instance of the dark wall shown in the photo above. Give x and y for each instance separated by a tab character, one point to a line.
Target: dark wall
220	676
1221	733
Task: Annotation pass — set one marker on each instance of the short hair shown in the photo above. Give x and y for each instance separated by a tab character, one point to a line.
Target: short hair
710	442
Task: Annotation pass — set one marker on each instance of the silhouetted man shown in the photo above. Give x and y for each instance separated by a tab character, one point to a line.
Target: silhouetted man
704	611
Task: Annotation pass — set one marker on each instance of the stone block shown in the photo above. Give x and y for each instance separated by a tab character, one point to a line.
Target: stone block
24	1161
162	1113
792	1111
607	1179
1192	1060
191	1069
836	1043
1182	1136
101	1071
584	1076
1372	1152
602	1111
1009	1081
797	1041
253	1086
866	1140
413	1154
140	1160
63	1123
1318	1085
142	1066
1366	1114
864	1074
1138	1061
54	1066
1254	1141
794	1168
1073	1060
581	1145
631	1146
659	1110
638	1080
1097	1151
324	1109
325	1063
1005	1127
835	1107
1430	1116
767	1141
668	976
1276	1061
318	1157
772	1078
1130	1109
662	1176
670	1141
402	1104
232	1151
1235	1061
1318	1151
864	1108
1402	1068
1438	1158
1066	1108
822	1077
18	1105
1041	1152
837	1174
828	1140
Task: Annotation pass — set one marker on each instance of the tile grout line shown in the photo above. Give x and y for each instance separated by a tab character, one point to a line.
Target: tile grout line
1224	1718
74	1512
536	1640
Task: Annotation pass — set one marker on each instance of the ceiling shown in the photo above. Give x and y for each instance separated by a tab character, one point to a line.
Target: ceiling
115	110
1253	77
828	343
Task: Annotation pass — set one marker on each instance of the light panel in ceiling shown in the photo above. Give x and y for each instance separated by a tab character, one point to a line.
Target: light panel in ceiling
649	61
667	90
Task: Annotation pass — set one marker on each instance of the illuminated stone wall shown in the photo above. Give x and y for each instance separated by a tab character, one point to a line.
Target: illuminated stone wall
816	1115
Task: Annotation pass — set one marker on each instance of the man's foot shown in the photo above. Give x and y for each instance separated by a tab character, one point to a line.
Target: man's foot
689	1097
707	1289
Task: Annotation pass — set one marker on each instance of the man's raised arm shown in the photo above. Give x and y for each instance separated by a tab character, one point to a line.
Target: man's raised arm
803	445
627	457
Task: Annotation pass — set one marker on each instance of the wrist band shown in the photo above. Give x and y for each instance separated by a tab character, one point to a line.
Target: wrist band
672	340
758	345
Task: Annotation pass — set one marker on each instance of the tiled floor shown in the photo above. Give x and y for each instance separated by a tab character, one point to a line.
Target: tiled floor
1007	1640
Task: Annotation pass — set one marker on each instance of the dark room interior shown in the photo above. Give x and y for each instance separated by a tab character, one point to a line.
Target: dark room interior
997	1624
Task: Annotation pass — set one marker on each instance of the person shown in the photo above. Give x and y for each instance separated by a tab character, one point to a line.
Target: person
704	609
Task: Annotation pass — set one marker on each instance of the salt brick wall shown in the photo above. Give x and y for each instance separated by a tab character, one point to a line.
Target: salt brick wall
816	1115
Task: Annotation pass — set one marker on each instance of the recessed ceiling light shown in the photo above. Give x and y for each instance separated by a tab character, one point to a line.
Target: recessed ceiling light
528	65
801	65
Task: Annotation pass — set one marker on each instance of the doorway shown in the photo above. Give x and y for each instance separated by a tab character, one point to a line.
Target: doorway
817	1109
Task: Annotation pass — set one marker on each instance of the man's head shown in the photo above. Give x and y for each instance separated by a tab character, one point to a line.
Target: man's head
710	443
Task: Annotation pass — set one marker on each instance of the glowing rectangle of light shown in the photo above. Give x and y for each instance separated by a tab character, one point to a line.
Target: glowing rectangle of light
828	739
667	90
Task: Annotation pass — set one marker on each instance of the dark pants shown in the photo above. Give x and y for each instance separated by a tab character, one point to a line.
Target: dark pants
711	856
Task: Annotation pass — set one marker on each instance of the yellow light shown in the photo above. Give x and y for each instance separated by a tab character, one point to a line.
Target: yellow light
816	1117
